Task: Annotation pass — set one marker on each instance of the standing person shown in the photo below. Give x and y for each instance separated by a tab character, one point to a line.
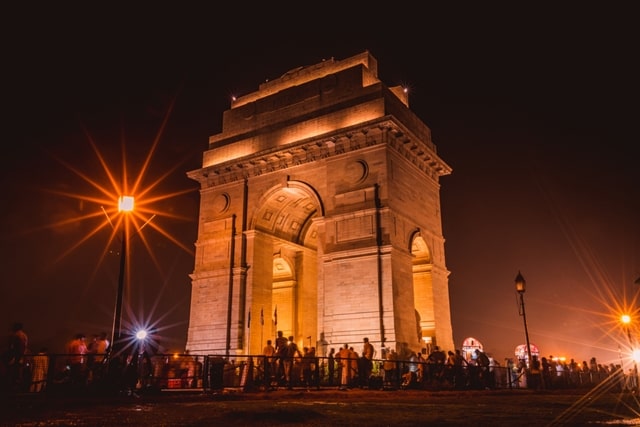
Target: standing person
436	365
77	358
307	365
292	352
521	374
354	358
315	367
331	365
92	346
458	369
100	349
130	374
281	342
390	368
345	366
281	354
482	363
18	341
91	351
534	377
145	372
187	369
366	362
545	373
39	371
14	357
269	351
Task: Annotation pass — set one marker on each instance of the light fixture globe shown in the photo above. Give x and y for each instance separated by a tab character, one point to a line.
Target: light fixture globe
521	284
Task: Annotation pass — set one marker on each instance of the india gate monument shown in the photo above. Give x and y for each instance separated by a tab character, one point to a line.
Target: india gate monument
320	217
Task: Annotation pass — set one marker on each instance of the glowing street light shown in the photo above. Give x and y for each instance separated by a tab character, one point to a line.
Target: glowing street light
626	321
141	334
125	205
521	286
117	195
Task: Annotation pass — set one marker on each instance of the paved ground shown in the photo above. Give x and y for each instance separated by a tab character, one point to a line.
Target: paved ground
328	408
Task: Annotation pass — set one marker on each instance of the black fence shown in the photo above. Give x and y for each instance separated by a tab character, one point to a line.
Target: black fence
64	373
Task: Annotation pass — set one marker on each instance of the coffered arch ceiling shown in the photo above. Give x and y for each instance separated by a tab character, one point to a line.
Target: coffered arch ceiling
288	212
420	251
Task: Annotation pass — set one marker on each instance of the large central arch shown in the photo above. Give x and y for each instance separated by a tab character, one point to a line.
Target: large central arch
284	226
287	212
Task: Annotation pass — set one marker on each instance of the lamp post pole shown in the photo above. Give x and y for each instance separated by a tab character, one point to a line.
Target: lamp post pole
626	320
116	336
521	285
125	205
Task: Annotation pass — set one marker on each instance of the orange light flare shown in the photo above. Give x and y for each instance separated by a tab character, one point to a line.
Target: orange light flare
619	321
107	206
611	296
624	317
609	304
611	301
617	304
100	187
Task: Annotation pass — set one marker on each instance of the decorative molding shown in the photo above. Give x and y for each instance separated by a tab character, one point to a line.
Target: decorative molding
419	153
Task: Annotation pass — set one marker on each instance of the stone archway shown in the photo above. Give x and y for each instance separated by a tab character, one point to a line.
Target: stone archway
423	290
284	231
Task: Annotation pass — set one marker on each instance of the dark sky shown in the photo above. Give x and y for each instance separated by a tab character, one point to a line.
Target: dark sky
535	109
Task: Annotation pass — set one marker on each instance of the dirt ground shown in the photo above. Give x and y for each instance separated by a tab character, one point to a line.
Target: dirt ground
333	408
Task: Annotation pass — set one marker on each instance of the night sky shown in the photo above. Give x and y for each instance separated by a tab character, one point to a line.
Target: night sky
535	110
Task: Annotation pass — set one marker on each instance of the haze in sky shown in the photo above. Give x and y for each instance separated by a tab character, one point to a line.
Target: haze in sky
535	112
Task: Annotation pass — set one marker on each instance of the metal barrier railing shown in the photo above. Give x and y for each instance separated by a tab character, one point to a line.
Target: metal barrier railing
68	373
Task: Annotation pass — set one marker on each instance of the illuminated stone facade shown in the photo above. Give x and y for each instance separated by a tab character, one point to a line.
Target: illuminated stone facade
320	209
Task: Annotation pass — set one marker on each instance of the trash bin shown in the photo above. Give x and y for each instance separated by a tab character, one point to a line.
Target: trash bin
216	373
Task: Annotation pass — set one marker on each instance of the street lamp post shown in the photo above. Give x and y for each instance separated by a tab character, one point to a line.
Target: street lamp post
521	285
125	204
626	320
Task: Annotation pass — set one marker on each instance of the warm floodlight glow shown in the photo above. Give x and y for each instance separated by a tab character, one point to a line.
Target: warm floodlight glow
625	318
125	204
521	284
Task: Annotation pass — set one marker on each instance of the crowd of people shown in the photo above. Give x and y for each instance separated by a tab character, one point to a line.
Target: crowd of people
284	364
24	370
276	367
347	368
86	363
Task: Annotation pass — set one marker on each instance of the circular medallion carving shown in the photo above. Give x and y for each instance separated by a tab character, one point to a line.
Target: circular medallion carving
221	203
356	171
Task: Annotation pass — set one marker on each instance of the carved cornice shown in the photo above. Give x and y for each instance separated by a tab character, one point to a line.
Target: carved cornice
387	131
